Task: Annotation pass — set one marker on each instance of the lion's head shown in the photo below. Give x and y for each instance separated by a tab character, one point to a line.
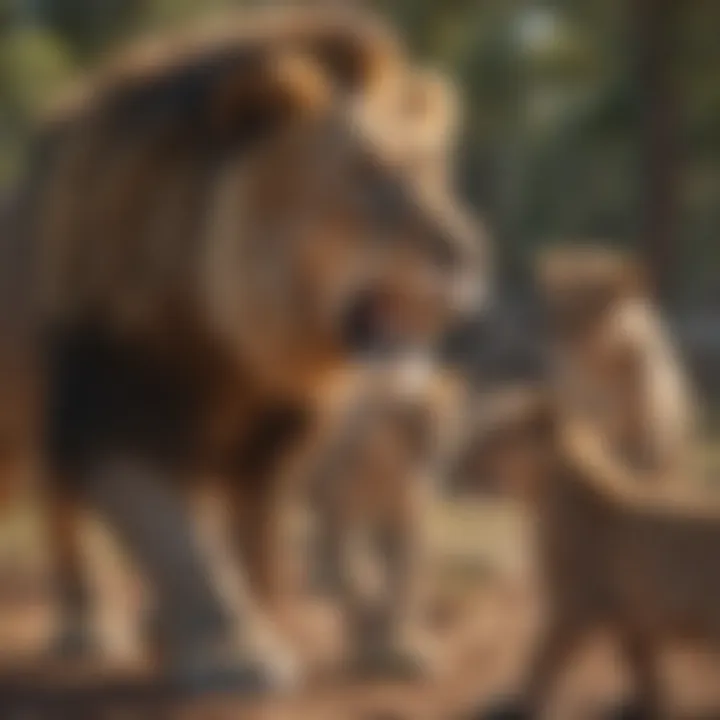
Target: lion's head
350	227
257	184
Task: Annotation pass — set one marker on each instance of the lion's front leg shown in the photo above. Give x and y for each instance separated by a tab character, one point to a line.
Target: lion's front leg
263	498
198	649
265	572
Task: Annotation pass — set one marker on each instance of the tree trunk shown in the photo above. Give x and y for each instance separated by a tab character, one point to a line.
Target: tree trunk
657	127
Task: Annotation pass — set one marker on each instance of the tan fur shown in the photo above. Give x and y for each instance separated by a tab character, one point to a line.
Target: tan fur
615	360
612	551
373	480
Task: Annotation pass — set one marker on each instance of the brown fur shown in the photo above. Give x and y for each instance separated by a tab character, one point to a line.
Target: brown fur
616	362
201	219
612	552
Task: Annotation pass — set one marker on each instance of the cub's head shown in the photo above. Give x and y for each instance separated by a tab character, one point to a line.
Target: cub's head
401	431
582	284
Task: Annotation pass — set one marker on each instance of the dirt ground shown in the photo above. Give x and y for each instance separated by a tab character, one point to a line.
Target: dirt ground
483	620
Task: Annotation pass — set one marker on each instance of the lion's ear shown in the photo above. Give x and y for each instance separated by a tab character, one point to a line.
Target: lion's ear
358	50
256	100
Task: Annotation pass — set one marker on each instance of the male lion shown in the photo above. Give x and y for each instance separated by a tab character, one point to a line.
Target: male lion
213	228
612	552
614	359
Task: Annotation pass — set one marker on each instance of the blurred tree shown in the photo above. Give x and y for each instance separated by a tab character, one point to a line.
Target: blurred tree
578	113
655	25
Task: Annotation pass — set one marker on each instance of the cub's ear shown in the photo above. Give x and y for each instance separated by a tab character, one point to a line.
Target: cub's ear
268	93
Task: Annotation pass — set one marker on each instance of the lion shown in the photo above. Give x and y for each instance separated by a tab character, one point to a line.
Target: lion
615	360
612	551
392	430
215	226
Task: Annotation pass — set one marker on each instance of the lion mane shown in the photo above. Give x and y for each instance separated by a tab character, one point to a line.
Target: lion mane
130	161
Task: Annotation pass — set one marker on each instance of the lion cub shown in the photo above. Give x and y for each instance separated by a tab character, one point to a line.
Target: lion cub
373	482
615	362
612	552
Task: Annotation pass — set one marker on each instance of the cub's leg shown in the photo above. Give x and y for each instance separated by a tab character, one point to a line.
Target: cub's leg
388	634
559	641
641	654
325	554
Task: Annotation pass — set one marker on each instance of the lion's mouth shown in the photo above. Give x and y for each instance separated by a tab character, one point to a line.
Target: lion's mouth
382	321
365	325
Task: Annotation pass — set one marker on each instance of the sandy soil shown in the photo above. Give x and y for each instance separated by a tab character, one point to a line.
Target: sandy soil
483	622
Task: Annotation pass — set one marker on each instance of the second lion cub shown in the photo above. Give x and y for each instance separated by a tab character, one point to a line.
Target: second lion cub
612	552
615	360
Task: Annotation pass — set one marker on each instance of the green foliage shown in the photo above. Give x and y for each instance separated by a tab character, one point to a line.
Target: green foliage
34	64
